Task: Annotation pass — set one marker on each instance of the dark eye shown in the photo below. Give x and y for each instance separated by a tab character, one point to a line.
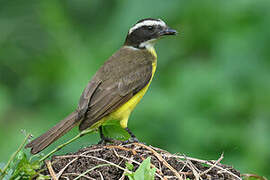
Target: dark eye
150	28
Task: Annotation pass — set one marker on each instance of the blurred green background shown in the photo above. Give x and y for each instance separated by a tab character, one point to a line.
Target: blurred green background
210	94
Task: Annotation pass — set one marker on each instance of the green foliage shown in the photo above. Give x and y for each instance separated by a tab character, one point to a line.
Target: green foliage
129	166
20	167
26	169
113	130
143	172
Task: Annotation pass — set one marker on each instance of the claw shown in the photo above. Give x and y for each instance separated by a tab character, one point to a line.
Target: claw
105	140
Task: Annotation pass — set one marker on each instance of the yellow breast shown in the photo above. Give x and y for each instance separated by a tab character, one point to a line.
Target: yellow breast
124	111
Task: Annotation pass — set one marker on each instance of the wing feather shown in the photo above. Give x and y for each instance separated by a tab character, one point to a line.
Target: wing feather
121	77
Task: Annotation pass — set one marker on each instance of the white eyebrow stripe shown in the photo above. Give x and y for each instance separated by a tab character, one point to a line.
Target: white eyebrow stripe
146	23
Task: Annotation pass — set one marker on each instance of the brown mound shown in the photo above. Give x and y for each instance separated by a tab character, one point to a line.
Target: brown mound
109	162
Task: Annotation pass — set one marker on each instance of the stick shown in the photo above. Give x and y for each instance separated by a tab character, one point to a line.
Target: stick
51	171
214	165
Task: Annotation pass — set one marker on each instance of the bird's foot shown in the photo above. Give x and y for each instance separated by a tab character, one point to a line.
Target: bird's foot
105	140
131	140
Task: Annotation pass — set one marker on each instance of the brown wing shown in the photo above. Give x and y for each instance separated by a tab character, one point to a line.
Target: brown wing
86	96
122	76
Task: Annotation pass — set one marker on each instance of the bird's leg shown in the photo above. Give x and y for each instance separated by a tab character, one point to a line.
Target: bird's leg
104	140
132	136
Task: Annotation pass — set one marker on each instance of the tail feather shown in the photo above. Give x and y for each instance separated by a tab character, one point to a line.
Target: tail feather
53	134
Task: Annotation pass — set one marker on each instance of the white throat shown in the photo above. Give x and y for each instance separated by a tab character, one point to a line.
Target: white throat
148	44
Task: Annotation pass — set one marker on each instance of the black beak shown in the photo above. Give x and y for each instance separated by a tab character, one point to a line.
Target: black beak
168	31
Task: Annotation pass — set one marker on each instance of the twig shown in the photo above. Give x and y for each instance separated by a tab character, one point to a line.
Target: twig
51	171
89	170
101	176
76	174
123	148
66	143
205	162
214	165
185	164
170	177
162	160
62	170
99	159
254	176
123	176
195	172
129	161
66	178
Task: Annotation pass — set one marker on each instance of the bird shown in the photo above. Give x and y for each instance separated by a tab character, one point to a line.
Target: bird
117	87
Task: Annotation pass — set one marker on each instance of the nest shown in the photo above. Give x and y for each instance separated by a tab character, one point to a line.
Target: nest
109	162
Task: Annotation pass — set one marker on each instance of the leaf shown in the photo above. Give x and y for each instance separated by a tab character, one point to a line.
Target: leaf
129	166
144	172
112	129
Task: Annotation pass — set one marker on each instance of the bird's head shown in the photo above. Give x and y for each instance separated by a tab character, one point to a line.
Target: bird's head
146	31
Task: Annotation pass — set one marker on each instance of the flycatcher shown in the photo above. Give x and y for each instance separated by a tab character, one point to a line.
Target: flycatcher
117	87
